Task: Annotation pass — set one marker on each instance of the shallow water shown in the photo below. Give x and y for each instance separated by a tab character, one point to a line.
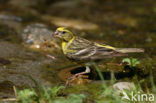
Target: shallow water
120	24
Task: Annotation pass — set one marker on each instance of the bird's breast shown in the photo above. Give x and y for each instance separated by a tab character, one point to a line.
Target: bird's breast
64	47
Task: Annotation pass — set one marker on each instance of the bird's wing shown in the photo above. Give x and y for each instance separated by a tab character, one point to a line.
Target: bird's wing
105	52
86	50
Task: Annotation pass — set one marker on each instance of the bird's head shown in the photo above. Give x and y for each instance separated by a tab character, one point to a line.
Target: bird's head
63	34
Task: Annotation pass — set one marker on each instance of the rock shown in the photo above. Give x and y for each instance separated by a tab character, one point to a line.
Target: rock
121	86
38	36
36	33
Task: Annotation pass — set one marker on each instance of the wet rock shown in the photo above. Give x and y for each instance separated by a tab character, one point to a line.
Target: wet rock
24	63
38	36
121	86
36	33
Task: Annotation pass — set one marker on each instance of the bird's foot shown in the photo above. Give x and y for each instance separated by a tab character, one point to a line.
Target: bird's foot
81	74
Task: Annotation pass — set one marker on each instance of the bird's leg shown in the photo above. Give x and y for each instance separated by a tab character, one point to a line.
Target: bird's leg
81	73
78	74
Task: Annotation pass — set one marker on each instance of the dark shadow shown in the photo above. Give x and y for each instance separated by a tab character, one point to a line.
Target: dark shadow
129	72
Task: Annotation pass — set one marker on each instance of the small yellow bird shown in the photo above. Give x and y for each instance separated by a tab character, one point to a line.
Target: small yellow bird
80	49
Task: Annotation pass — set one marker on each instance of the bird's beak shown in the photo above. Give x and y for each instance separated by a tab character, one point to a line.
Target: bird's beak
55	34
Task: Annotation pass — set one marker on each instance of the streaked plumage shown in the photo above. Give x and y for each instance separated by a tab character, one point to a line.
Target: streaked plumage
77	48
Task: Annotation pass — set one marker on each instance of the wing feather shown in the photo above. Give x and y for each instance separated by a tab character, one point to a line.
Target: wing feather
86	50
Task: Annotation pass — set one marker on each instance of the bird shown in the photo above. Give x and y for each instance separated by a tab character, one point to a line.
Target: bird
79	49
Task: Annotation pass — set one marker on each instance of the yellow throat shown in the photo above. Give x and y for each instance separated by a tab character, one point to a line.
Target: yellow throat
66	44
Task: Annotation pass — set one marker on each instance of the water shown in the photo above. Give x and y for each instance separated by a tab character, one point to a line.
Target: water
120	24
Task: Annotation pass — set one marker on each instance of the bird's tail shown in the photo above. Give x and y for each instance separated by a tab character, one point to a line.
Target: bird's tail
130	50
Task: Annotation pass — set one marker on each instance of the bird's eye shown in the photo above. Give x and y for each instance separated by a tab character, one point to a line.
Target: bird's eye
63	32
